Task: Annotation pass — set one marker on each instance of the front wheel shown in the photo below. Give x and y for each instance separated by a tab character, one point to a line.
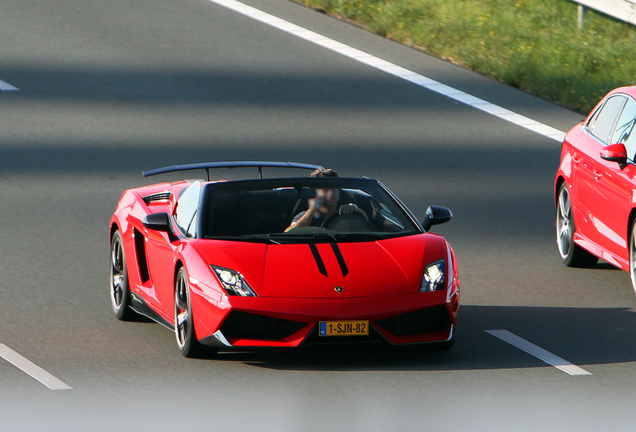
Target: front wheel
187	341
572	254
632	255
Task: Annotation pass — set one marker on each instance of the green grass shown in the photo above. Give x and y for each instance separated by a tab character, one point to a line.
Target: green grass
534	45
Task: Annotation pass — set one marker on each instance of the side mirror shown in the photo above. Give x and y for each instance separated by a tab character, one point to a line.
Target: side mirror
157	222
615	153
436	215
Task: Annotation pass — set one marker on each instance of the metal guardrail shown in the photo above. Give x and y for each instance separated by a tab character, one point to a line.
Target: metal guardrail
624	10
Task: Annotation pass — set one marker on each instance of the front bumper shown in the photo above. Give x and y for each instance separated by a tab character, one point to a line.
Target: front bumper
285	322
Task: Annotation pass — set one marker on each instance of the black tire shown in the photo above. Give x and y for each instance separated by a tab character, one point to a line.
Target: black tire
572	254
632	255
119	288
187	341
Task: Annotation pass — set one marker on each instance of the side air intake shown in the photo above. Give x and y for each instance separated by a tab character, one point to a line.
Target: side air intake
161	196
140	249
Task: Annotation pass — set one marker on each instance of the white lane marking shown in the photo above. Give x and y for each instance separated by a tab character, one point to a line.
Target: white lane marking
392	69
32	369
538	352
5	86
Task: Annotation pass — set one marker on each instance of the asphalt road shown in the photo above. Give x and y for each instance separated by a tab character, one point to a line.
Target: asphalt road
109	88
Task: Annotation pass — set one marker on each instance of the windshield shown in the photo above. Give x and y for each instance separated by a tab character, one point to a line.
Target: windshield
308	209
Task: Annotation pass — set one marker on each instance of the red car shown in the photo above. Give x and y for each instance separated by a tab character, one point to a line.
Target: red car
595	187
219	263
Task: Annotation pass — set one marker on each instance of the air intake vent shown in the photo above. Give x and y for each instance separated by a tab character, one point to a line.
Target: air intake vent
140	249
429	320
243	325
161	196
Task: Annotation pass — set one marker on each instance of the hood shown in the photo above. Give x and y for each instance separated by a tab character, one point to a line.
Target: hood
315	270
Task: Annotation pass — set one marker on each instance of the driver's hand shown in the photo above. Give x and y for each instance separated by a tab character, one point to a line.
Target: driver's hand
348	209
314	205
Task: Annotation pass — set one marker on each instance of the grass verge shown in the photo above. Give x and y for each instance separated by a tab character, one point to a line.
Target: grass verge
534	45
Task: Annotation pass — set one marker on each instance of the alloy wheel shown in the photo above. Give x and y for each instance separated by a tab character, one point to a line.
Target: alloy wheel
182	311
632	256
117	274
563	226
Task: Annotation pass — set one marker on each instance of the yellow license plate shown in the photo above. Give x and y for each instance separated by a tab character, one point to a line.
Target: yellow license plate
343	328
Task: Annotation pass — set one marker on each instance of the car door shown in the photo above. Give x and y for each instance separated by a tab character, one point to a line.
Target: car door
586	163
162	247
614	186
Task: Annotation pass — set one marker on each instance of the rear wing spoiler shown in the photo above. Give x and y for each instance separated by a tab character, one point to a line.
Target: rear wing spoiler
207	166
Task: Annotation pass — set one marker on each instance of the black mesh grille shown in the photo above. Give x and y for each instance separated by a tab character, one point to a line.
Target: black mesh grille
428	320
161	196
243	325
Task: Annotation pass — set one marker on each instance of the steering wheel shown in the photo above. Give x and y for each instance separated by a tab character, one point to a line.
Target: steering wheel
355	211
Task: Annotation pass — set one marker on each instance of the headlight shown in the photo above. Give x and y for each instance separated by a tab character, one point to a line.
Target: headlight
233	282
433	278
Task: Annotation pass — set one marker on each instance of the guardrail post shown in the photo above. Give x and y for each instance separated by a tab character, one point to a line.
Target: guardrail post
581	16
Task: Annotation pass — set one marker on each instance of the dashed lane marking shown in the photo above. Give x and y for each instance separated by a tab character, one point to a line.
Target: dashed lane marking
5	86
30	368
538	352
393	69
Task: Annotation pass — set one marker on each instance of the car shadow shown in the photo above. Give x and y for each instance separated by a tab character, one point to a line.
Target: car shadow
602	265
583	336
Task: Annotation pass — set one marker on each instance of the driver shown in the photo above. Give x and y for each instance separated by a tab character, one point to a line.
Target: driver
321	207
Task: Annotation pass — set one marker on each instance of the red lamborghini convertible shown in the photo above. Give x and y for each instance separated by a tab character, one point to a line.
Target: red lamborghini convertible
595	186
222	264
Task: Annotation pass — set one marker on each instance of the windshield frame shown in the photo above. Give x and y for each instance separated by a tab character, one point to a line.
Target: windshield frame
296	182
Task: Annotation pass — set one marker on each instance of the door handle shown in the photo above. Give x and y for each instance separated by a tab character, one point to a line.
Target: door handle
597	175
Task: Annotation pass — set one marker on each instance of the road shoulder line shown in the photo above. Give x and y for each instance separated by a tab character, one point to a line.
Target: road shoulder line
30	368
5	86
538	352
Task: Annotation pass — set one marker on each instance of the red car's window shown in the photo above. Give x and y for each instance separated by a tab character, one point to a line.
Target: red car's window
187	207
603	124
624	132
268	208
